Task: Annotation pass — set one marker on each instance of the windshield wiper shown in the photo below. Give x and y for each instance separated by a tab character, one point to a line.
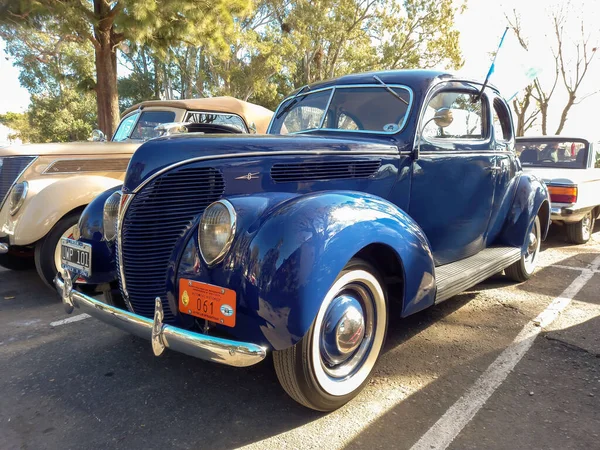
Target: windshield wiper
389	89
292	101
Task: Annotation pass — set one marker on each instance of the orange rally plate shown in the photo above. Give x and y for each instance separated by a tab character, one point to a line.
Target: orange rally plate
207	301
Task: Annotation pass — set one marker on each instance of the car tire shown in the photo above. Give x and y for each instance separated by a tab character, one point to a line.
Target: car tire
45	250
581	232
16	262
326	369
523	269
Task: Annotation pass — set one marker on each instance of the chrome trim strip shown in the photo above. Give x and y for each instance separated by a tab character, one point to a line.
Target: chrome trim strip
53	163
125	202
35	158
350	86
392	151
208	348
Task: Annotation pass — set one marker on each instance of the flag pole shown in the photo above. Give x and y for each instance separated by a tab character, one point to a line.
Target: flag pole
491	71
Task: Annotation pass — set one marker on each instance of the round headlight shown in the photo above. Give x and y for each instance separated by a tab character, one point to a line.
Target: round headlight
110	216
216	231
17	197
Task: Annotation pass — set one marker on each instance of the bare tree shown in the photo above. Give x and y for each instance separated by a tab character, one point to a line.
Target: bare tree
572	79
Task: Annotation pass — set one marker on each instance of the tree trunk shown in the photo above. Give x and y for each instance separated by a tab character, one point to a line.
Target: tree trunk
107	97
563	116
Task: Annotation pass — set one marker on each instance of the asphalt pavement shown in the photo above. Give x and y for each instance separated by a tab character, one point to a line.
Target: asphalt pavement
501	366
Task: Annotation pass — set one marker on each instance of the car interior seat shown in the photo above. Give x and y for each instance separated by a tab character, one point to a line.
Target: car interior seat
529	155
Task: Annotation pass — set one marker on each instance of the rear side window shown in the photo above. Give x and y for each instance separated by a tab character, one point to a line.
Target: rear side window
501	118
463	116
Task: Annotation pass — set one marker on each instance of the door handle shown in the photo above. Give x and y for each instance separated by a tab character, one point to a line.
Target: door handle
492	168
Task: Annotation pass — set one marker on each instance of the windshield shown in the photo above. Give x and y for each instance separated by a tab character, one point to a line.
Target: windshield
125	127
558	153
231	120
351	108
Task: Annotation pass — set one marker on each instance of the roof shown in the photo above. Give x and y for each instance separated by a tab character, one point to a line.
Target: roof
250	112
416	79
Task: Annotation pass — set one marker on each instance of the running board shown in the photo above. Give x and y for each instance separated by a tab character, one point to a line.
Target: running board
454	278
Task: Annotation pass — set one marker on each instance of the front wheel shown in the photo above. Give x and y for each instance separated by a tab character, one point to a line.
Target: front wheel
524	268
332	363
47	251
581	232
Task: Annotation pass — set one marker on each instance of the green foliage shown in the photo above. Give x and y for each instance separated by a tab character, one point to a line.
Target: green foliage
255	50
64	118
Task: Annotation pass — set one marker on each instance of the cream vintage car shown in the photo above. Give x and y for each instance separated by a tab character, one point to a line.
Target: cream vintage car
45	187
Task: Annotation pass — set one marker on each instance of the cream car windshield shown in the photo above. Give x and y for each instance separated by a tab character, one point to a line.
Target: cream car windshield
371	109
141	127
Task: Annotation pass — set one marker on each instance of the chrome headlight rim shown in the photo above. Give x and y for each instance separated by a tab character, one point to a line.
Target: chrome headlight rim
14	209
113	230
232	230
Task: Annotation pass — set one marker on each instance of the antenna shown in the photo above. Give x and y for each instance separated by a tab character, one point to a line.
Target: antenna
491	71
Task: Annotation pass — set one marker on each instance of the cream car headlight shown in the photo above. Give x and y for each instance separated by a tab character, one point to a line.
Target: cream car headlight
17	197
216	231
110	216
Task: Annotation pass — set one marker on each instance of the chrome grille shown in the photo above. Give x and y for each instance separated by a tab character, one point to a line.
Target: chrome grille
11	168
157	217
323	170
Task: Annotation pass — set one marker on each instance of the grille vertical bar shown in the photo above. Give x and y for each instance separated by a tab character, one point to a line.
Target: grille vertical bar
11	168
158	216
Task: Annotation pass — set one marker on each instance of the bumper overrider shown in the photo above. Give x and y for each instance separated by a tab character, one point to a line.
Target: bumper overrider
209	348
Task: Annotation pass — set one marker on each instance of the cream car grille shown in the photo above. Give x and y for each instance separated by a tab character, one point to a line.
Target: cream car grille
11	168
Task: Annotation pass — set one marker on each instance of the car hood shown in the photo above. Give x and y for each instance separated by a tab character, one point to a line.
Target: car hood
563	176
159	154
70	148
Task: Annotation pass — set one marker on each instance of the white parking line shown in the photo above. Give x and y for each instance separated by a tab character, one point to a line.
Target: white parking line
76	318
443	432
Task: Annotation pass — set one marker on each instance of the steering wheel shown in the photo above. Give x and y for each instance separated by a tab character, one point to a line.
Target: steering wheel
212	128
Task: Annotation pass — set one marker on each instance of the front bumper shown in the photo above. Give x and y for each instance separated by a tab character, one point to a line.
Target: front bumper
209	348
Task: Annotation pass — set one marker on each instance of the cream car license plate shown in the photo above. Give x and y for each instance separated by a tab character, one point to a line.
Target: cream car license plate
76	257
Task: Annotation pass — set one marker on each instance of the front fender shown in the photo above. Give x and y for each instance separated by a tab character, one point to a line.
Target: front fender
289	258
531	199
50	200
91	228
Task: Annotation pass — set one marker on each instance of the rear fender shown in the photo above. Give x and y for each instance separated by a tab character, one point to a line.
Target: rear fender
531	199
294	253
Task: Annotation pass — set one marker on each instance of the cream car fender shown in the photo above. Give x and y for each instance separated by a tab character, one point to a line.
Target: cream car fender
49	200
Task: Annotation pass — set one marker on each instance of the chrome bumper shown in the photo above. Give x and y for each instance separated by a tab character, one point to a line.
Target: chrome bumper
568	213
209	348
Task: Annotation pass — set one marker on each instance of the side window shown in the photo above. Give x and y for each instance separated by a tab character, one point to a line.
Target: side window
501	121
124	129
461	116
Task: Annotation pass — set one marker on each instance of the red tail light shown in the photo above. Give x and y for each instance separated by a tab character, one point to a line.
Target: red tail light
560	194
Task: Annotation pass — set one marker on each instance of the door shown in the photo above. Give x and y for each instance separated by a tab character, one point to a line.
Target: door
453	177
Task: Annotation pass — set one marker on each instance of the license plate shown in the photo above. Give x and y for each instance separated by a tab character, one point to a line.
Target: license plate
207	301
76	257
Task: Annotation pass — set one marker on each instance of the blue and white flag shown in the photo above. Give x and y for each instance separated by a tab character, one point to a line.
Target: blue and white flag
513	67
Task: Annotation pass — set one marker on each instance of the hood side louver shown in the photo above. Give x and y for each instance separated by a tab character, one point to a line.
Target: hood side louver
323	170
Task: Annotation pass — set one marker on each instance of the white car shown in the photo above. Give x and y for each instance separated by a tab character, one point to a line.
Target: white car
569	167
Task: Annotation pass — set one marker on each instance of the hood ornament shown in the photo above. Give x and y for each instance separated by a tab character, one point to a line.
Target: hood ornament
249	176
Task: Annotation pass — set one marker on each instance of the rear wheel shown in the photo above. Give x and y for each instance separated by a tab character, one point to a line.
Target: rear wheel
581	232
333	362
524	268
47	251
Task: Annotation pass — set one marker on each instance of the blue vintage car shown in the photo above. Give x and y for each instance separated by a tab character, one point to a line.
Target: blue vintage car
375	196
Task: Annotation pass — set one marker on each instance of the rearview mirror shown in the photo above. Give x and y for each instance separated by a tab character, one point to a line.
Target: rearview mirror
443	117
98	136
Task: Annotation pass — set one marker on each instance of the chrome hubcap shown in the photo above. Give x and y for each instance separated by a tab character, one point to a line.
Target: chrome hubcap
533	247
585	225
347	331
343	329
